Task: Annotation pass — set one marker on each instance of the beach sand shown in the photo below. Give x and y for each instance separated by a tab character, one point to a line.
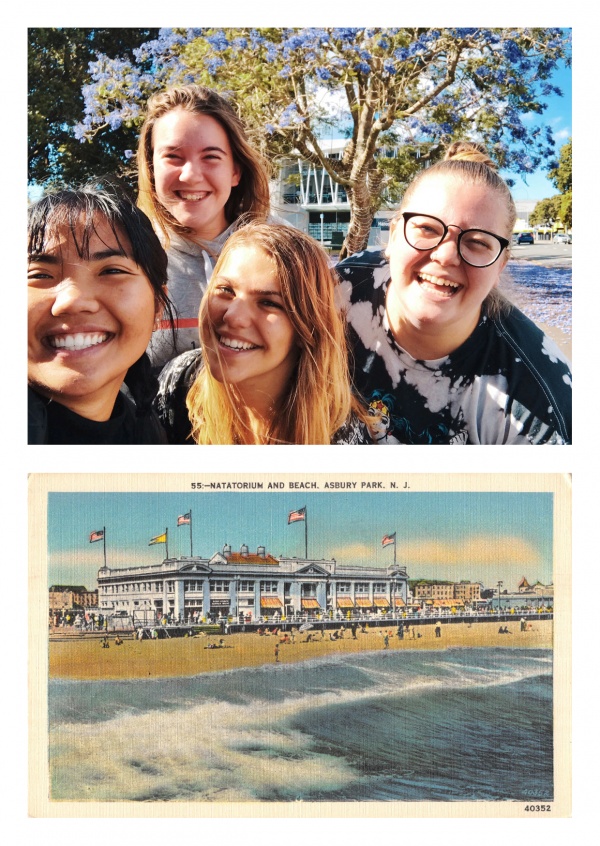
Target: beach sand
85	659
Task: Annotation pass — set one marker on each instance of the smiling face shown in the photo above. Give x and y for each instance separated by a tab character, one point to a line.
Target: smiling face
257	349
194	170
89	320
434	299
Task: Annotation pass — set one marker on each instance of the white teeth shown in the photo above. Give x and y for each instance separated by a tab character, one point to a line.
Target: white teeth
237	345
435	280
199	196
78	341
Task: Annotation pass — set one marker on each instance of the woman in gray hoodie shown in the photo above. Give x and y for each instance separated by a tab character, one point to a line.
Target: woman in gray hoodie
197	177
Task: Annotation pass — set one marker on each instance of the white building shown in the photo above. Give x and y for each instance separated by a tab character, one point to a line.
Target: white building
306	196
251	584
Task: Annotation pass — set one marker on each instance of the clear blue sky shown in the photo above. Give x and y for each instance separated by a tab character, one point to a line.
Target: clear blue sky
480	536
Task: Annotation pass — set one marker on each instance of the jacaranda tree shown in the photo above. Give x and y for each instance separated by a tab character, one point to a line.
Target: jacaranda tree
411	89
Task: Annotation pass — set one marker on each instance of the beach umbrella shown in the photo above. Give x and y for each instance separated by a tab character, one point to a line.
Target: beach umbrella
305	627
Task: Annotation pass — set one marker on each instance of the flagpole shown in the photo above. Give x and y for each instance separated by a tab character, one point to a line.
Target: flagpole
306	533
167	542
395	550
104	542
191	549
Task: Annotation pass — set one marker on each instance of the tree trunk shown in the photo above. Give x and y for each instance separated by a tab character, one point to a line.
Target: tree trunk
362	210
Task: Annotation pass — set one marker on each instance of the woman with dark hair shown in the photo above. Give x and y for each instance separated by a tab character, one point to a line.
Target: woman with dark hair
96	285
428	329
198	176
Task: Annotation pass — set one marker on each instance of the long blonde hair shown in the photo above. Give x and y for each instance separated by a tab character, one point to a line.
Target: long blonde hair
319	399
249	198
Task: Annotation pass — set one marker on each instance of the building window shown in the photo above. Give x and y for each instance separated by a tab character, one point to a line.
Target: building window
362	587
219	586
309	589
245	587
343	587
268	587
379	587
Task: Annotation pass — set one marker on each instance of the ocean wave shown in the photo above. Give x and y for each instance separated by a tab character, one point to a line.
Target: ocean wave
288	732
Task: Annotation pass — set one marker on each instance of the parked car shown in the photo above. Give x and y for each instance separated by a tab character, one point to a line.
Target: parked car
525	238
562	238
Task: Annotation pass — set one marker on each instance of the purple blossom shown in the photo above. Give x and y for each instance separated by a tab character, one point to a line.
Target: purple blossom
362	67
213	64
256	39
218	41
512	51
129	154
272	52
323	73
345	34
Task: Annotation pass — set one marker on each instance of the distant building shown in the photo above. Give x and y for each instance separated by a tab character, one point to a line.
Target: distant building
254	584
67	597
307	196
538	589
448	593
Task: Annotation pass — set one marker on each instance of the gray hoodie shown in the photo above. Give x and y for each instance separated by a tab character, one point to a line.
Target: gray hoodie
189	271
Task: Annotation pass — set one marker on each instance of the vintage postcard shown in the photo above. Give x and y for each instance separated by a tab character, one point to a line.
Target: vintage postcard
320	645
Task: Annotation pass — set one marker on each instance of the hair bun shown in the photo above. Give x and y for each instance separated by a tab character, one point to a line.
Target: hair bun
469	151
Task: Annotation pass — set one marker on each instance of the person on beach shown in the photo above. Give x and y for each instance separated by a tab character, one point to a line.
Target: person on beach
277	653
273	366
96	277
440	356
197	177
438	629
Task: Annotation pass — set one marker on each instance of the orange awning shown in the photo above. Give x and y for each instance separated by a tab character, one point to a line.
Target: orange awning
363	602
399	601
446	603
270	602
310	603
344	602
381	602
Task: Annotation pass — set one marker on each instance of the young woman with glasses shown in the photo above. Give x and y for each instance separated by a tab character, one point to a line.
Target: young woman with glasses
435	346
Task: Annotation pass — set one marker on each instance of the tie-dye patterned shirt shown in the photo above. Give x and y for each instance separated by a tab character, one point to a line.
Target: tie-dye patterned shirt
508	383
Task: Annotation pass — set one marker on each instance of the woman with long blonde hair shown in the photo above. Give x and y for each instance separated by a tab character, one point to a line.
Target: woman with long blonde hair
273	365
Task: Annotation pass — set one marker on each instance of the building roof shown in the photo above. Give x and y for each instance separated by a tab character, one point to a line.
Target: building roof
250	558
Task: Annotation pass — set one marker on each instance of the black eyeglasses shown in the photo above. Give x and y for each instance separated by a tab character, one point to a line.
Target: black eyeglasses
475	246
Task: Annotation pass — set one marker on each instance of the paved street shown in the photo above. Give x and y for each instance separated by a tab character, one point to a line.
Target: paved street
543	251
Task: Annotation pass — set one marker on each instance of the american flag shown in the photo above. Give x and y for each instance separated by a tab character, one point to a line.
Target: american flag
96	536
297	516
388	539
184	519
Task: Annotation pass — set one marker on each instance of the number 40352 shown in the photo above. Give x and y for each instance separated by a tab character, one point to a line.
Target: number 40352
538	807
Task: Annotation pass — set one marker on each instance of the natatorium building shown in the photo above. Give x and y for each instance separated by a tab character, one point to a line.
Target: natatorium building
253	584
